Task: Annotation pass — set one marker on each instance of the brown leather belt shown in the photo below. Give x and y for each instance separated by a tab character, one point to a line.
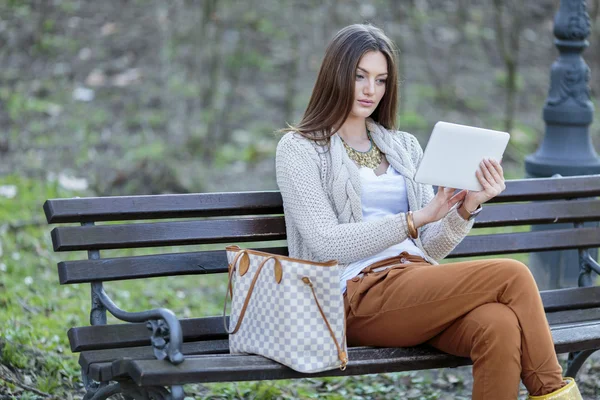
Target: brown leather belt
382	265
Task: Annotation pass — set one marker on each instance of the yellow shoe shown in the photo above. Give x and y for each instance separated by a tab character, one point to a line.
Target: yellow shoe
568	392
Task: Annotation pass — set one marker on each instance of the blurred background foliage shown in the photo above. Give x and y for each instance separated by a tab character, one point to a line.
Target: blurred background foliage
152	96
119	97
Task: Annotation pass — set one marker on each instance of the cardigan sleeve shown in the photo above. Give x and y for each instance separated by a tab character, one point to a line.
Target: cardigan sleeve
441	237
308	208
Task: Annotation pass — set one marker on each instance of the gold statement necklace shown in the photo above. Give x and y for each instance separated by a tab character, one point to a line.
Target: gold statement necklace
370	158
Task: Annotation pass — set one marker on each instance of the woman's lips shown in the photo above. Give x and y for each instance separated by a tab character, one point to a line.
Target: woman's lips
365	103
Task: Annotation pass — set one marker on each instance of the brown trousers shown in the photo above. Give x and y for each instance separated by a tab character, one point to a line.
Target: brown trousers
488	310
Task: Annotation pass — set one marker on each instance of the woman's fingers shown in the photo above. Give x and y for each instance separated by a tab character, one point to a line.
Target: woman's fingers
497	166
457	197
445	192
494	176
460	195
492	167
449	193
487	173
498	172
482	180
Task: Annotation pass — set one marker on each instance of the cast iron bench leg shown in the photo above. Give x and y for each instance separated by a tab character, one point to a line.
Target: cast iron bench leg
130	391
576	360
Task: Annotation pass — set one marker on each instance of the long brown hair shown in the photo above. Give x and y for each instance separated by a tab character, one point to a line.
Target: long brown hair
333	95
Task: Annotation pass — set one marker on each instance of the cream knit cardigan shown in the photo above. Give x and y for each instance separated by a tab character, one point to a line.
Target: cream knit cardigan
321	187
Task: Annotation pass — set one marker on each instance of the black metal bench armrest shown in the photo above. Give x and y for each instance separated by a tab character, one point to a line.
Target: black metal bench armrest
167	336
590	263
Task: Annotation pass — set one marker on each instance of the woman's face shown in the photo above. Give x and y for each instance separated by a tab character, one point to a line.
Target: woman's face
369	86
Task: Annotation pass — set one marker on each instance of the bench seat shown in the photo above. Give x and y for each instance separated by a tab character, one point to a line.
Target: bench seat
575	326
141	366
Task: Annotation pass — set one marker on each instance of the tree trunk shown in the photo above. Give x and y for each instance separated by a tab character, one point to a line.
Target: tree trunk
290	84
230	107
511	92
510	55
210	96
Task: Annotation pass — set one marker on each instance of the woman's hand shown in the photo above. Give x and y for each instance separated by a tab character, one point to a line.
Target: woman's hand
438	207
491	178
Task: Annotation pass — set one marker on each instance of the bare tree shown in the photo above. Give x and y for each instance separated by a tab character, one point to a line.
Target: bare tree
440	44
507	39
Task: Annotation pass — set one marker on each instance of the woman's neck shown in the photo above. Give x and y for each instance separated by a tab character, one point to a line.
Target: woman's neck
353	130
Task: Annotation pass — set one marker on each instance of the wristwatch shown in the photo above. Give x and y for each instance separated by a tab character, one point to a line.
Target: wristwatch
466	214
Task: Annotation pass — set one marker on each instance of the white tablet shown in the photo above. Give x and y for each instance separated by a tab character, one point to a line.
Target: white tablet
453	154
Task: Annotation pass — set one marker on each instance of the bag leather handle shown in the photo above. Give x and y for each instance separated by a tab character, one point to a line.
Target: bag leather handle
341	354
229	287
250	290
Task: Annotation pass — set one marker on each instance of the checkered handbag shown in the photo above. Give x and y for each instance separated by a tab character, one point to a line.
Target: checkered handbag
292	310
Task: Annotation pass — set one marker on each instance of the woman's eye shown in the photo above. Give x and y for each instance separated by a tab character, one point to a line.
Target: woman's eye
358	76
381	81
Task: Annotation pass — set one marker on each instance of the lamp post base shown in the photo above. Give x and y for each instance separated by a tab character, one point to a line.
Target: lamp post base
556	269
541	167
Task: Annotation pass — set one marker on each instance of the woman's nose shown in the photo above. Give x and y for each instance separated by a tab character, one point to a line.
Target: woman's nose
369	87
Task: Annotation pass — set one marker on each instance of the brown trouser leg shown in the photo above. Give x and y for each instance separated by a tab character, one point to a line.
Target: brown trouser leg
489	310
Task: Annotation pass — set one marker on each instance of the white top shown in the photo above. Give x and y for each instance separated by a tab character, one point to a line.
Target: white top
382	196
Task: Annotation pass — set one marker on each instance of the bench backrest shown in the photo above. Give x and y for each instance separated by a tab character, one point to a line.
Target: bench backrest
232	218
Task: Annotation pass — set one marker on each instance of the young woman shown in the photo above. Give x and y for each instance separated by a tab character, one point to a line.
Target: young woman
346	178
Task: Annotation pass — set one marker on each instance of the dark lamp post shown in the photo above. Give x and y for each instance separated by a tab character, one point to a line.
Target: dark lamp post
566	148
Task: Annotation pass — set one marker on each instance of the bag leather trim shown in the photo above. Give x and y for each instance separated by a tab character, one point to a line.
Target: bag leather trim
331	263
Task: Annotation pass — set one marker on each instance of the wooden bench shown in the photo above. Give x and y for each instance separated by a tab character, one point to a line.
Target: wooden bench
130	359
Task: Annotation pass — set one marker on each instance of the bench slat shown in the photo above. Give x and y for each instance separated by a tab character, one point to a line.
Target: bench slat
211	328
215	261
547	212
572	316
363	360
550	188
167	233
210	231
267	202
178	233
576	337
422	353
101	337
229	368
526	242
110	269
124	208
88	358
571	298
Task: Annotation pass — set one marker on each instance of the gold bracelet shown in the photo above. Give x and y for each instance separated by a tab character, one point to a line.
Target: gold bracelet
412	230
